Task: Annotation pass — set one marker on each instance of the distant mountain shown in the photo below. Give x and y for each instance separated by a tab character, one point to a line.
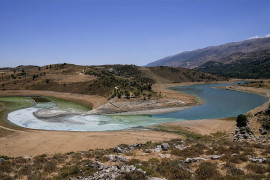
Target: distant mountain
225	54
253	65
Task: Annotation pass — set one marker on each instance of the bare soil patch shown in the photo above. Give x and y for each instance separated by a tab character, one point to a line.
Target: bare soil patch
35	142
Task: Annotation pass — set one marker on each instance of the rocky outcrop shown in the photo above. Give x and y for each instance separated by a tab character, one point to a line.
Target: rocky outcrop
159	148
118	158
244	133
196	159
120	149
256	159
108	172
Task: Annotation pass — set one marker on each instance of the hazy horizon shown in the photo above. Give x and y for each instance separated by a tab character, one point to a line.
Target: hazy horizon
122	32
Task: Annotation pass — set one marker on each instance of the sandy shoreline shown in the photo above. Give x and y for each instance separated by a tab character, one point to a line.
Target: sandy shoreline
153	111
203	126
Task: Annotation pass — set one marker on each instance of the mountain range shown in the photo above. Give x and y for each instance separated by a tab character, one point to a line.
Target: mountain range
245	59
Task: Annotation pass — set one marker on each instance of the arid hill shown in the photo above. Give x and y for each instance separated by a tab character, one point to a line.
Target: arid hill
106	80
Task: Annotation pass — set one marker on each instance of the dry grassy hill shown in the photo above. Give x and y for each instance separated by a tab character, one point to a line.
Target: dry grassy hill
106	80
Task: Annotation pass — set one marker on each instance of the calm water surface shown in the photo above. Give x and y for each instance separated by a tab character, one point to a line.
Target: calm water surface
218	102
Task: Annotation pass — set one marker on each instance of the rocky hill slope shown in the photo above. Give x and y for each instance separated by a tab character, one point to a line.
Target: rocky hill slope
245	59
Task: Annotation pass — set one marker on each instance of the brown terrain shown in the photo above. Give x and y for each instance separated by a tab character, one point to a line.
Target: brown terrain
85	85
37	142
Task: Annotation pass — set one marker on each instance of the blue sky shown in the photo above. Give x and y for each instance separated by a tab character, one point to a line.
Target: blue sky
93	32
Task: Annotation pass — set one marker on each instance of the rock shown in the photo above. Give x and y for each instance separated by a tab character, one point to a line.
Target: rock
155	178
147	151
111	157
164	155
135	145
119	158
158	149
263	131
27	157
118	149
181	166
215	157
256	159
196	159
108	172
181	147
2	160
127	168
165	146
97	164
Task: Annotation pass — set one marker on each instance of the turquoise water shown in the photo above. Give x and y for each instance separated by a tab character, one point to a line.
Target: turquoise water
218	103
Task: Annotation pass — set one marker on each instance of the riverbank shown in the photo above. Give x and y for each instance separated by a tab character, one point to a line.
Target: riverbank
260	90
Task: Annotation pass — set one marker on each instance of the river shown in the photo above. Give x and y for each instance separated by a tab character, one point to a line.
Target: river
218	103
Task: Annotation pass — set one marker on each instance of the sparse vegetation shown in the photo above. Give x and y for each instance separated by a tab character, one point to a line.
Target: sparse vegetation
122	81
73	164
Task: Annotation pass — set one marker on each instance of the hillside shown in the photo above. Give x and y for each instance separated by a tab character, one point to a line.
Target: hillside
107	81
244	57
252	65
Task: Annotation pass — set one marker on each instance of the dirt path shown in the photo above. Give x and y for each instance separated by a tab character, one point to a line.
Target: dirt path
34	142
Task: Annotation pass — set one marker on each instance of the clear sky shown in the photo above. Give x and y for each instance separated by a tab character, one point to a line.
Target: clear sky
93	32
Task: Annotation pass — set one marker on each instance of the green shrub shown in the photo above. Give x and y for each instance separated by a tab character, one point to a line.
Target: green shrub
256	168
50	166
34	175
192	151
69	171
133	175
5	167
232	170
206	170
170	170
241	121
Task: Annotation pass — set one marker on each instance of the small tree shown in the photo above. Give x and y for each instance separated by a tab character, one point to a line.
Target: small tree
127	94
137	93
241	121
